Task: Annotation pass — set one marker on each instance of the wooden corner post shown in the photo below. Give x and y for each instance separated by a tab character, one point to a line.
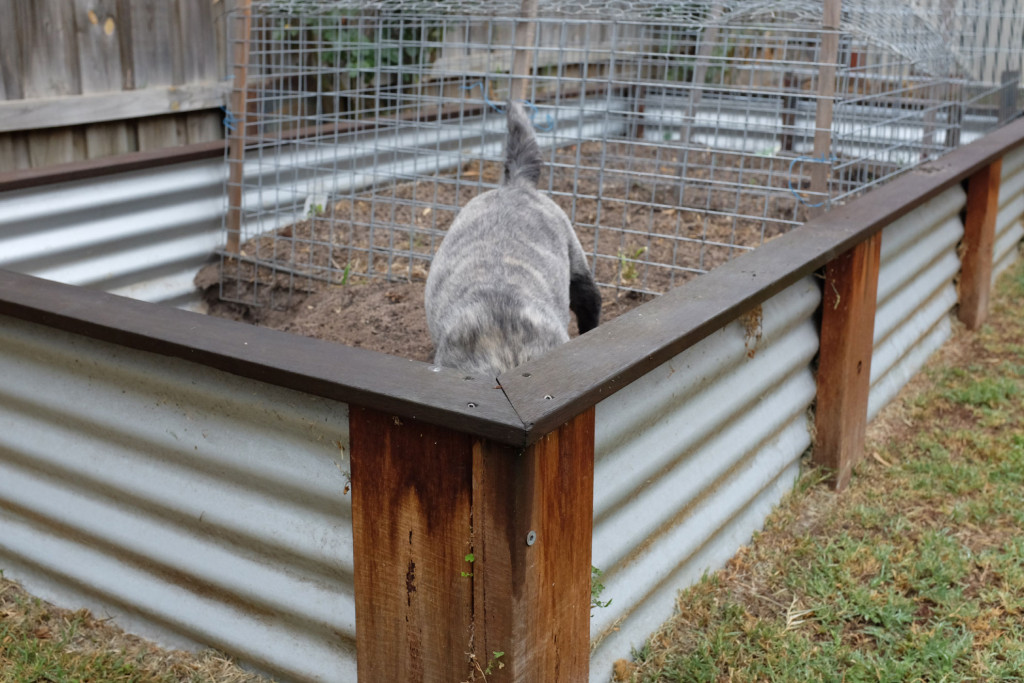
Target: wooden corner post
979	244
844	360
472	559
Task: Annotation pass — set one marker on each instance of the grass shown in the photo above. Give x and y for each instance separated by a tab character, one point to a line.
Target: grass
915	573
42	643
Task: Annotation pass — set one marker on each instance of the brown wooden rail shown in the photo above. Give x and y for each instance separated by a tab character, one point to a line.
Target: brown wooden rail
446	468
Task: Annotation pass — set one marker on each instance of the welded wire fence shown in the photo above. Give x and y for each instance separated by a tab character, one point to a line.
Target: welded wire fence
676	135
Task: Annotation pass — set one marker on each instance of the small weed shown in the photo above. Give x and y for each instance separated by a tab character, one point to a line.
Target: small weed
627	264
471	558
596	588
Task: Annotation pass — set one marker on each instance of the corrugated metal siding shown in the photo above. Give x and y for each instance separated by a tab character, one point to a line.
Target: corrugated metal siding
916	292
1010	221
193	505
689	460
142	234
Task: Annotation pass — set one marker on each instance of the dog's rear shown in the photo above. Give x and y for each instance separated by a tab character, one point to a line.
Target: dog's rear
509	271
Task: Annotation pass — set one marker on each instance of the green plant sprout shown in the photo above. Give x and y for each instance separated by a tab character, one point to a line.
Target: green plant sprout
596	588
627	264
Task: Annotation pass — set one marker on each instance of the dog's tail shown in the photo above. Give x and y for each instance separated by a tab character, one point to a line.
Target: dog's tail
522	155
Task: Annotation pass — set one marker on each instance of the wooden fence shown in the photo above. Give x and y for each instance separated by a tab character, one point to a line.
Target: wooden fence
84	79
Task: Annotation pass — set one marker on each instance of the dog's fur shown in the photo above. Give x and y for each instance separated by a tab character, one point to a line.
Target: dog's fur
509	271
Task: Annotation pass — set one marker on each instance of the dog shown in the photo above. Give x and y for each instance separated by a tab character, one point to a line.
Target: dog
509	271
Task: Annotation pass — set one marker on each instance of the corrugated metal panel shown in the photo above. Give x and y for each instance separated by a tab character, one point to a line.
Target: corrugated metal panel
193	505
145	234
1010	221
142	234
916	291
689	460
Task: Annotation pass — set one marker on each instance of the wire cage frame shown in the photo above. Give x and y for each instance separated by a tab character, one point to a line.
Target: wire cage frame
676	135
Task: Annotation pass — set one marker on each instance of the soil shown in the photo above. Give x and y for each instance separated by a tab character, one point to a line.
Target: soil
355	272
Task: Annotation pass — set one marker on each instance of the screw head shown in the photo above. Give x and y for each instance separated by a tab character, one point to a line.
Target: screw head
531	538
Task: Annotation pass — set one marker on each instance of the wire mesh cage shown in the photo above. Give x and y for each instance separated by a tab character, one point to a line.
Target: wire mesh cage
676	135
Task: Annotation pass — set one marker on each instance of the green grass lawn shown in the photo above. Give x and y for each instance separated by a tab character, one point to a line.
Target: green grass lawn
40	643
915	573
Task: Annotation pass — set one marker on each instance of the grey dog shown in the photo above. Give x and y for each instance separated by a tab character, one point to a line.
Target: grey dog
509	271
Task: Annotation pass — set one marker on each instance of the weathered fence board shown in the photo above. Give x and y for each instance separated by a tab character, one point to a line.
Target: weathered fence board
87	79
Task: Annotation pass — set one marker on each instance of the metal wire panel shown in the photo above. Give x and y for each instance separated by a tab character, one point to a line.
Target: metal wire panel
691	457
194	506
916	292
1010	219
676	135
142	234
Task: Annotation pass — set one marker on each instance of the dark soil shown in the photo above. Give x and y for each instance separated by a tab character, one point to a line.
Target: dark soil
334	277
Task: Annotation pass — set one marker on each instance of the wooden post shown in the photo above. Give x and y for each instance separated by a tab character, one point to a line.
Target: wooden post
979	243
522	57
236	138
844	360
822	167
423	498
533	514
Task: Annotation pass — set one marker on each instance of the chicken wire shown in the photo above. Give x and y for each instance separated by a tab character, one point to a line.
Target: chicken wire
676	135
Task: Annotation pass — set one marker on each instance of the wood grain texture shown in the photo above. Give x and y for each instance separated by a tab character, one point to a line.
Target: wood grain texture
532	602
97	28
51	112
422	498
844	367
412	524
240	32
53	70
979	244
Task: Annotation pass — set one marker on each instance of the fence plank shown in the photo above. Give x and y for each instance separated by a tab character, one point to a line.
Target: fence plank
13	153
979	242
844	366
156	62
34	114
53	70
532	602
411	520
98	26
49	72
198	46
